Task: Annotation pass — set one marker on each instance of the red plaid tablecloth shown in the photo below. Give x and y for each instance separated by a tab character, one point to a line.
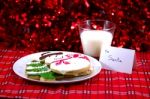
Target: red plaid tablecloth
107	84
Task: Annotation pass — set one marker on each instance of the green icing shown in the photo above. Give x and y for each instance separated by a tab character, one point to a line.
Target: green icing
39	69
33	64
49	75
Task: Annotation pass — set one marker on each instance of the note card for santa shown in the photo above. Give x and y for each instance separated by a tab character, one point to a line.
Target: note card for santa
117	59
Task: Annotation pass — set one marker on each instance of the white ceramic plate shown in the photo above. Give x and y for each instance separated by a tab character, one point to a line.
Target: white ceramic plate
20	66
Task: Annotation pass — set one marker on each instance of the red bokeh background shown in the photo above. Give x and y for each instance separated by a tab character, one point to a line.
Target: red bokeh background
52	24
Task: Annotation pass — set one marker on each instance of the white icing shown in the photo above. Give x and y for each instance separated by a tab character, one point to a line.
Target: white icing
36	73
67	62
33	67
74	64
32	63
49	60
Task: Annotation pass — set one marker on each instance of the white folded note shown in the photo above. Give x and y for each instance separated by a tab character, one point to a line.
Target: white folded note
117	59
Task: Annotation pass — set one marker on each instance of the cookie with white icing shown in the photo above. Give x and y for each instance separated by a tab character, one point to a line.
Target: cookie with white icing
58	65
69	64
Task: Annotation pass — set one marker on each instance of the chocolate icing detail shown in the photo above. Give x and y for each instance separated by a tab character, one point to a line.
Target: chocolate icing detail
43	56
45	53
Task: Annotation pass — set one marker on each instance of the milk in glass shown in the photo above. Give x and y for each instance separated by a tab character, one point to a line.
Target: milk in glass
93	40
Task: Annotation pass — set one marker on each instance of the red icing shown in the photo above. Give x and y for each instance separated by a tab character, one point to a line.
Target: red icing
76	55
85	57
62	61
69	56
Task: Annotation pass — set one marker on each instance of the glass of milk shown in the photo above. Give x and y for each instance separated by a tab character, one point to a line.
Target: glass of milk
95	34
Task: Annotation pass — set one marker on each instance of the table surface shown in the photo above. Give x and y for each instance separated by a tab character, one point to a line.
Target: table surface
107	84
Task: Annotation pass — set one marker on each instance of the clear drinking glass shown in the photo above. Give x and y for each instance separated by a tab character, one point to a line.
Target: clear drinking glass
94	34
